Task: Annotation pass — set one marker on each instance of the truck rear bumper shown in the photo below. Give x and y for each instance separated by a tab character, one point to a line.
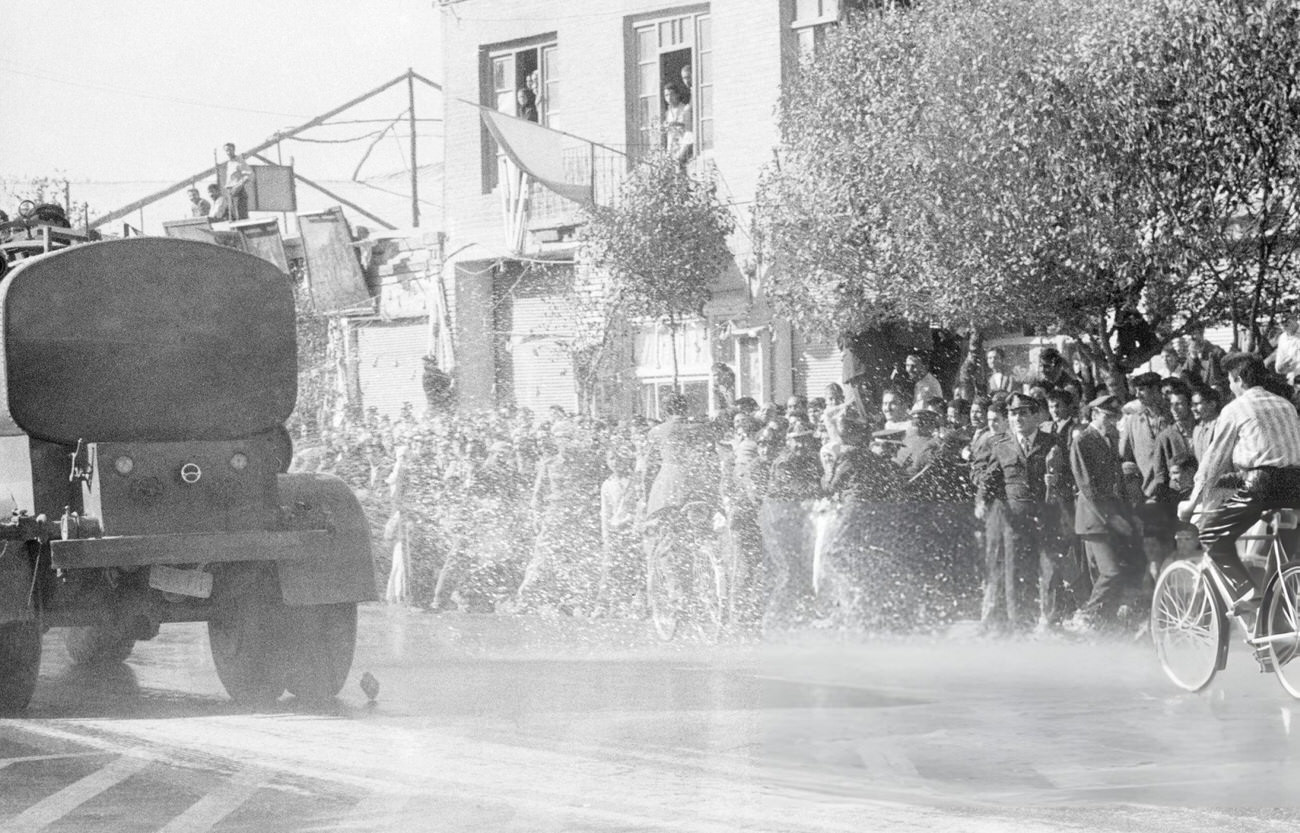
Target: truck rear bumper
143	550
321	554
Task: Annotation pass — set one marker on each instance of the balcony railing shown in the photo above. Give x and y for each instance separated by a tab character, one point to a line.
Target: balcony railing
535	213
601	167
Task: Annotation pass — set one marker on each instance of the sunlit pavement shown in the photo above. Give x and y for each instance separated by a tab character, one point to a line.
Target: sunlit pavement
496	723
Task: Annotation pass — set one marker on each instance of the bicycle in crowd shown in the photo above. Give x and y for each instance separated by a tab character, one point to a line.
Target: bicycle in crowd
689	570
1191	607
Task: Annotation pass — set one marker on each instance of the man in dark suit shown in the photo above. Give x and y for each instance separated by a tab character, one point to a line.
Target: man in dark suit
1064	581
1016	471
1103	517
1144	418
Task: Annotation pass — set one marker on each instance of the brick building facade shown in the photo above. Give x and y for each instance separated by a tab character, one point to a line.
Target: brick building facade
598	67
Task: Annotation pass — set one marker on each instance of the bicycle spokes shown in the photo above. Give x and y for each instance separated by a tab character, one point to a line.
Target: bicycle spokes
1187	625
1281	628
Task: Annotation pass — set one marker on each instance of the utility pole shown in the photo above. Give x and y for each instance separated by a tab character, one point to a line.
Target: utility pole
415	171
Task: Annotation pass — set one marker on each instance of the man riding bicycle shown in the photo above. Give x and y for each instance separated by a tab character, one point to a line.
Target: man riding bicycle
1258	436
688	462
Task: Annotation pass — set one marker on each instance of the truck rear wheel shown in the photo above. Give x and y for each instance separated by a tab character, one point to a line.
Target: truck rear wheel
246	634
319	643
97	644
20	664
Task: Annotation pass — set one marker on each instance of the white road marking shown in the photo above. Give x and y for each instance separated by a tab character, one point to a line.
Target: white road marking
208	811
52	808
4	762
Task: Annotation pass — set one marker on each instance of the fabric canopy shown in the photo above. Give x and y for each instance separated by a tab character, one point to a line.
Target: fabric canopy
537	150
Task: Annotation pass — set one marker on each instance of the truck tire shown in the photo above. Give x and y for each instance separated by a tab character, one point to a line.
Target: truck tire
319	643
20	661
97	644
246	634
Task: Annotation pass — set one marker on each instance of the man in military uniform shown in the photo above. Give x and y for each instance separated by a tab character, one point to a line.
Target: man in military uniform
1016	471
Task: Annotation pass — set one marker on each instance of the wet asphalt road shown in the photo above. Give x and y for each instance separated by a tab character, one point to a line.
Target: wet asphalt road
518	724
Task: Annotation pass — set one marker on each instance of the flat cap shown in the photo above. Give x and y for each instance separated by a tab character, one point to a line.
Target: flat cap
1146	380
1106	402
1023	402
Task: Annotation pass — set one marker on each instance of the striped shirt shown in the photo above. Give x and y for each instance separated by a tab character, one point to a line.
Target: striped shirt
1254	430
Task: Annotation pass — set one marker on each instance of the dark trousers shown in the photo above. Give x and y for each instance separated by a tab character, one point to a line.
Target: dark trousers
1059	574
787	555
1117	568
1012	565
238	203
1261	490
748	573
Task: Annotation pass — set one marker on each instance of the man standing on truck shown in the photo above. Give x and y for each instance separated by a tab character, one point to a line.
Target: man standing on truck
238	176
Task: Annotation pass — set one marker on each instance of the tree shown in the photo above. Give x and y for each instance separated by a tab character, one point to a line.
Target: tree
1208	93
318	385
659	246
1050	163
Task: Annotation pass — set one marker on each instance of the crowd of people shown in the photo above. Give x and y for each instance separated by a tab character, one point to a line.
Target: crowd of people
1043	502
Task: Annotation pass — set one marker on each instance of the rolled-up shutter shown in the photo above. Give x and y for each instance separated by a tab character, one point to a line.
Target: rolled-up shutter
541	364
817	364
390	365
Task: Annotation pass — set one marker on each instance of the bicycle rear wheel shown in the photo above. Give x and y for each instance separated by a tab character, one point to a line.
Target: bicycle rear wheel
663	588
1188	626
1281	612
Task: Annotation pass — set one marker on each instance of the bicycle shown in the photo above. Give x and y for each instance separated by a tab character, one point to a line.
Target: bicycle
1191	606
687	570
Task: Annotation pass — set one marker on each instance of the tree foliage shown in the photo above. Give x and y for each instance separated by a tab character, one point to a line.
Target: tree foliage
659	245
1111	167
317	369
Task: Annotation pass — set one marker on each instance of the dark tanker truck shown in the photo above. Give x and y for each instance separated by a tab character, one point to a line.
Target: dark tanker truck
144	389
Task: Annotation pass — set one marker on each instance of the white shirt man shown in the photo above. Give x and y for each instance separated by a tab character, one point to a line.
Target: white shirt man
896	413
1257	434
1000	378
238	174
926	386
1286	358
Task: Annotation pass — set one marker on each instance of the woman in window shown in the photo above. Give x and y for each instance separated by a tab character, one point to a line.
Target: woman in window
679	133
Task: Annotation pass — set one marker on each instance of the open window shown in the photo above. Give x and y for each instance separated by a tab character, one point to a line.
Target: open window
678	51
653	358
523	81
814	19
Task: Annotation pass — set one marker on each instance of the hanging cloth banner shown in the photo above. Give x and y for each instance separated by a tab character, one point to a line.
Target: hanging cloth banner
537	150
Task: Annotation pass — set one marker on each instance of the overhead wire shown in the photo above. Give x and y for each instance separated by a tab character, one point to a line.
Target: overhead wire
54	79
331	123
365	184
348	140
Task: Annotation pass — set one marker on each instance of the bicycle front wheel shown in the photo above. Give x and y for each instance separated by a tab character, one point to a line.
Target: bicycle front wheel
1281	612
710	589
1188	626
